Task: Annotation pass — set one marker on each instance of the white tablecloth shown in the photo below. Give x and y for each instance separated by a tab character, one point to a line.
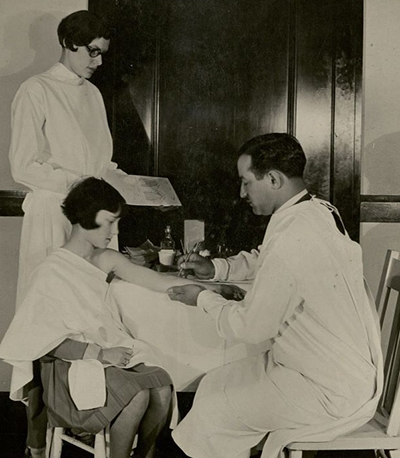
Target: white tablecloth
185	337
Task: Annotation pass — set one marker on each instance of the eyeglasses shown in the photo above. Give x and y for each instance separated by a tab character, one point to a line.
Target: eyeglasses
93	52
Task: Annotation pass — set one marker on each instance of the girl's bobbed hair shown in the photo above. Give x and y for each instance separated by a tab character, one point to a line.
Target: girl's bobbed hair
87	197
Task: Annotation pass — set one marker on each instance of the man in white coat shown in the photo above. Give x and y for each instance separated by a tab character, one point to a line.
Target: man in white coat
322	375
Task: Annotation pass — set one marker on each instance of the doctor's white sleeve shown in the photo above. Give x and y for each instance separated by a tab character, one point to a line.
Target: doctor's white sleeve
272	298
242	266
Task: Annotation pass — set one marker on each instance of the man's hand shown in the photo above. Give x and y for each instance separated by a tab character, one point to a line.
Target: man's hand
202	268
117	356
230	292
187	294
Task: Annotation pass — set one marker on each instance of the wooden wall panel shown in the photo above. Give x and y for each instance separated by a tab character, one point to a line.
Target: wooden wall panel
346	118
197	80
211	100
262	82
329	57
223	72
127	80
314	25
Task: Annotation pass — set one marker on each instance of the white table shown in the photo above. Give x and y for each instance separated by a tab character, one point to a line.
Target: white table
185	337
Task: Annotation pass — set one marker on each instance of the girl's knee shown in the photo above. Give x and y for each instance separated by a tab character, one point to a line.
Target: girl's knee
144	395
161	395
141	400
162	391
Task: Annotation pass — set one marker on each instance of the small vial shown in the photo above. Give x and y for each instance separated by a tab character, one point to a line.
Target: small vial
167	243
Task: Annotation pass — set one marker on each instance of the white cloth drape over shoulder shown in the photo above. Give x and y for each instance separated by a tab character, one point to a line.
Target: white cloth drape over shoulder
67	298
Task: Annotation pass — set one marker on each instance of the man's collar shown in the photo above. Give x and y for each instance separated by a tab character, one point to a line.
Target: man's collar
292	200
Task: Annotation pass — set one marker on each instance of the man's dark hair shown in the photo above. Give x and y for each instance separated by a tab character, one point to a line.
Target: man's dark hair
87	197
277	151
81	28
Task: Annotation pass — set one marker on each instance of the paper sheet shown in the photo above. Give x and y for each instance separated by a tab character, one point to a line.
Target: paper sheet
144	190
193	233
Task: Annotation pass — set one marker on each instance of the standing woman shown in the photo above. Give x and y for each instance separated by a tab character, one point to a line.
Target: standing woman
59	133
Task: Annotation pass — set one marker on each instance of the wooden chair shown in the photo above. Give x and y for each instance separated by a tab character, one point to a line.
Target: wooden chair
56	436
382	433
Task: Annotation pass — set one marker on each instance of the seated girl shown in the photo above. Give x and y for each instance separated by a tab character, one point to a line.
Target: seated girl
94	372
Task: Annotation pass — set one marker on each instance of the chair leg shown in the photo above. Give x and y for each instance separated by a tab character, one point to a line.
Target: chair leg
107	440
380	453
55	445
49	440
394	453
295	453
100	445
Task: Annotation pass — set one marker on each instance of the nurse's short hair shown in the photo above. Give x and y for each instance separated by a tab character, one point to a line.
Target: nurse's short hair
275	151
87	197
81	28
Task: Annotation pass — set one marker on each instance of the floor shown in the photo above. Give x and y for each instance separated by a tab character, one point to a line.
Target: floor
12	428
13	433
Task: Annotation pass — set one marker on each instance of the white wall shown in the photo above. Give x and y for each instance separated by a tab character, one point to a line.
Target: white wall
29	45
381	126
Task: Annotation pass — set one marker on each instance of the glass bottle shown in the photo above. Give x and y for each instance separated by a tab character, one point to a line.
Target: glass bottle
167	243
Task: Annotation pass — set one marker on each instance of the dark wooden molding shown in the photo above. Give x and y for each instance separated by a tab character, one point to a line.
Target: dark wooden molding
379	198
11	202
155	137
380	212
373	208
380	209
292	69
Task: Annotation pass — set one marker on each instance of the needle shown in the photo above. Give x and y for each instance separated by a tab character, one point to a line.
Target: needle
183	252
187	255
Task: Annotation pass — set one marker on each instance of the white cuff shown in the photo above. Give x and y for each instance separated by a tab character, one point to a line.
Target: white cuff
221	269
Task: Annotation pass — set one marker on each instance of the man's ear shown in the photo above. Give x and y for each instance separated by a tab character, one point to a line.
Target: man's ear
276	178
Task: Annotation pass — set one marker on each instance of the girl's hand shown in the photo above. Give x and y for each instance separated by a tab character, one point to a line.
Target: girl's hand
117	356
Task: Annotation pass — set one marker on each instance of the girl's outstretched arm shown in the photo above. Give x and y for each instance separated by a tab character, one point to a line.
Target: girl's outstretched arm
113	261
